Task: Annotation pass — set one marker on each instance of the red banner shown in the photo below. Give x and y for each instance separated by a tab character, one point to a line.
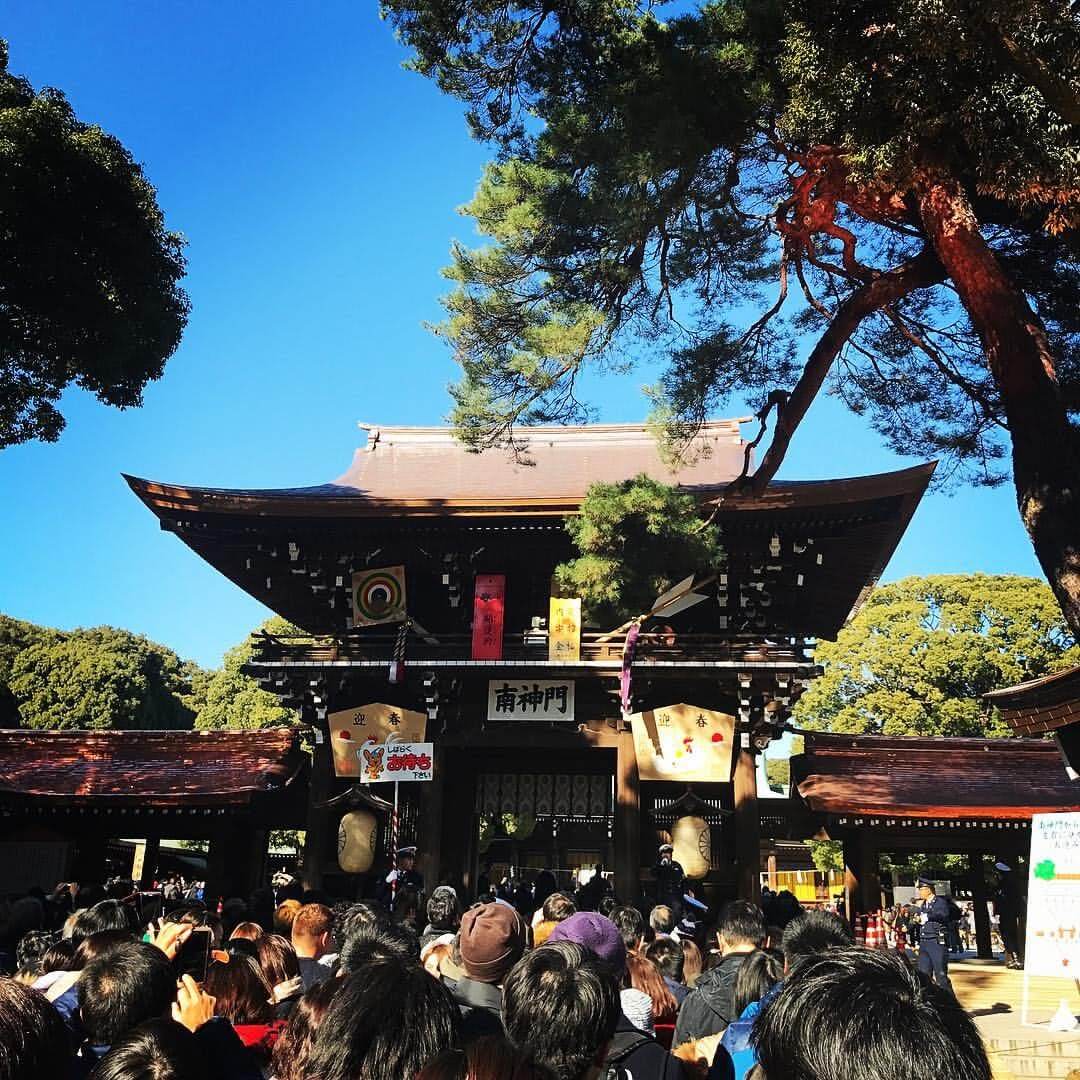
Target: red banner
488	605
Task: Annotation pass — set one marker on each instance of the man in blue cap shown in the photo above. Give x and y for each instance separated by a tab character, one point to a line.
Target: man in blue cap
933	934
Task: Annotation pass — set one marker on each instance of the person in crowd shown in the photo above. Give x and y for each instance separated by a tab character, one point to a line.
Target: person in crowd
541	932
1008	905
669	877
293	1047
384	1023
813	933
607	905
543	886
644	976
437	955
34	1042
933	934
249	931
708	1009
158	1049
558	907
561	1006
693	961
129	984
403	876
669	956
355	918
311	936
379	941
779	910
490	1058
29	953
281	969
631	927
491	941
662	920
443	914
243	997
864	1014
106	915
631	1052
284	914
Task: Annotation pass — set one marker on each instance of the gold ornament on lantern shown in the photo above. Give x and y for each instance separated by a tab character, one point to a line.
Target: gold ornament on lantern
693	845
356	841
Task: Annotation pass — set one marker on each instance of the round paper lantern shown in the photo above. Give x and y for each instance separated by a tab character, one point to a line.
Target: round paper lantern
693	845
356	841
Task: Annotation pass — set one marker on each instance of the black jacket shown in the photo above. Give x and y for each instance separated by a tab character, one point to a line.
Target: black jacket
708	1007
481	1008
634	1055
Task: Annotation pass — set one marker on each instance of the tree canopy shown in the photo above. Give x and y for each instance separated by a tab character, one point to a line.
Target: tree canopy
919	655
881	200
89	275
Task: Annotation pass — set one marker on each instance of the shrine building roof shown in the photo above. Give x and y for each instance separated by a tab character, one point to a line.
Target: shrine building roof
932	778
141	769
1040	705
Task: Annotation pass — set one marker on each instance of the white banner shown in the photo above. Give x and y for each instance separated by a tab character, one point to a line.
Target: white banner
530	699
1053	907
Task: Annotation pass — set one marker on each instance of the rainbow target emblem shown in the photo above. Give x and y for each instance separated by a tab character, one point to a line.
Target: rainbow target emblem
378	596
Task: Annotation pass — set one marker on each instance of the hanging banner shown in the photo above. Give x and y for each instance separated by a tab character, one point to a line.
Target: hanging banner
564	630
544	699
683	742
351	728
395	760
1053	902
489	601
378	596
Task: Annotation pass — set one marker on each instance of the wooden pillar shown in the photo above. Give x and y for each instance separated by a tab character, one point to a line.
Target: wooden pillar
151	854
851	878
869	879
774	877
627	821
316	839
983	946
431	826
747	829
235	862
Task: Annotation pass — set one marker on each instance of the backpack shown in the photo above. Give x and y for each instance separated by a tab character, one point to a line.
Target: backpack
622	1045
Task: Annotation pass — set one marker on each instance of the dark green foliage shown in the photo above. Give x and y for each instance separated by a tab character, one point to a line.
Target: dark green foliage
637	539
922	651
89	274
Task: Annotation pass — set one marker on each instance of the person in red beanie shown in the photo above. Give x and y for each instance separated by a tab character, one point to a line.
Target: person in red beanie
491	941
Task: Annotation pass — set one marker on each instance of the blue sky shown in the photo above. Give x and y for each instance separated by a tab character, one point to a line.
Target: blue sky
317	184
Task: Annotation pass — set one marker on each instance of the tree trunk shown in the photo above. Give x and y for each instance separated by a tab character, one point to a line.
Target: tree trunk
1045	445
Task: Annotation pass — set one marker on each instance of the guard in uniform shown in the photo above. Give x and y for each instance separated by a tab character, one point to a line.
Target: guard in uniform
934	935
669	880
406	875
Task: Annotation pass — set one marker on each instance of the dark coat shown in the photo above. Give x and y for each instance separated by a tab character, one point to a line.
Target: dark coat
634	1054
481	1008
708	1007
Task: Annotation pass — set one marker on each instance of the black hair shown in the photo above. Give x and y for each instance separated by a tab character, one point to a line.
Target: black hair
157	1050
32	948
662	919
668	955
58	957
861	1014
351	919
607	905
561	1005
384	1023
129	984
391	941
782	908
630	924
443	909
814	932
33	1039
106	915
741	923
756	975
558	906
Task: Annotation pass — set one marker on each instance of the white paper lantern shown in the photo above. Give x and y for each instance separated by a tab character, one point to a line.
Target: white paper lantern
693	845
356	841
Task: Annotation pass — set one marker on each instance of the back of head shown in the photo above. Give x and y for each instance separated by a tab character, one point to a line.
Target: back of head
33	1040
645	976
443	909
814	932
756	975
782	908
557	907
129	984
32	948
861	1014
561	1005
384	1023
662	919
284	915
293	1048
97	945
277	958
157	1050
106	915
379	941
249	931
693	962
241	990
741	923
631	926
351	919
312	927
669	956
492	1057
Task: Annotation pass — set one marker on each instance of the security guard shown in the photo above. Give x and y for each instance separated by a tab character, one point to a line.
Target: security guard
669	879
406	875
934	934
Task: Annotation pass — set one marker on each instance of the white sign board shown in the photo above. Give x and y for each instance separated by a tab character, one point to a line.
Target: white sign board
1053	907
530	699
395	760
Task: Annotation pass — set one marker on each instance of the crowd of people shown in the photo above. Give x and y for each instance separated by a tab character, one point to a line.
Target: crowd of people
544	986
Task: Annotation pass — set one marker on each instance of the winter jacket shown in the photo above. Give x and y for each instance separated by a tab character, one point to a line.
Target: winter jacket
481	1008
633	1055
736	1055
707	1009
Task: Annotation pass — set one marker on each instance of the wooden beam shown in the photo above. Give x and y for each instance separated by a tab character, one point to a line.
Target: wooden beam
747	828
627	821
976	868
317	837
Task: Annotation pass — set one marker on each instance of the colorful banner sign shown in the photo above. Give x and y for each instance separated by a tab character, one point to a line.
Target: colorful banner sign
351	728
378	596
564	630
395	760
533	699
489	602
683	742
1053	905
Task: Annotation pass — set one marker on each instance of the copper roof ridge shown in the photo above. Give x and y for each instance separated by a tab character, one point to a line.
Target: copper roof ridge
1033	684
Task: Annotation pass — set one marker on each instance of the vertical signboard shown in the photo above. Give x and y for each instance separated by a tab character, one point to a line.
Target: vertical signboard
489	602
1053	907
564	630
